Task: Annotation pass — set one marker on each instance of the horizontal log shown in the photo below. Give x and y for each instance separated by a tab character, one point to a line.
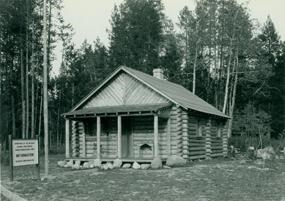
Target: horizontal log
196	141
216	141
90	151
220	142
197	137
197	148
217	147
194	153
197	157
90	144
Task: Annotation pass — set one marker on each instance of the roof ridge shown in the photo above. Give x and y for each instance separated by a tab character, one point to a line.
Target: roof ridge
162	80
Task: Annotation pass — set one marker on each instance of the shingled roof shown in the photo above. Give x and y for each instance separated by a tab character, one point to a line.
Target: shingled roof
173	92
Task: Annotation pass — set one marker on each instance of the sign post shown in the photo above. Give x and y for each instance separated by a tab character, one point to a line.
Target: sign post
38	165
11	158
24	152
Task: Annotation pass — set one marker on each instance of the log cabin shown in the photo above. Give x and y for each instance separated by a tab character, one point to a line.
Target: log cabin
134	116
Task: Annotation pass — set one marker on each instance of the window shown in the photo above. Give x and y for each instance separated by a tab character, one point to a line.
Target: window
199	128
219	130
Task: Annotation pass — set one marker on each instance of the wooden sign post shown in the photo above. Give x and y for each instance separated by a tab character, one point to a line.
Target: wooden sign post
24	152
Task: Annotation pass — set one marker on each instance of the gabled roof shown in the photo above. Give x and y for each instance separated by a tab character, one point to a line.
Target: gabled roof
173	92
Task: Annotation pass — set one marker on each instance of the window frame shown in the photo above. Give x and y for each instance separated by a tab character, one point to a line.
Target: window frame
219	129
199	128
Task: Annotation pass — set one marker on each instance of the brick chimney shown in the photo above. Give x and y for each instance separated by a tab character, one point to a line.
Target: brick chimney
158	73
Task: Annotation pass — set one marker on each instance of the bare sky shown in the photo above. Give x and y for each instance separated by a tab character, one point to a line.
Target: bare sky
90	18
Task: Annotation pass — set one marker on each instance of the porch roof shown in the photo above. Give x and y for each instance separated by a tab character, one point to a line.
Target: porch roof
116	110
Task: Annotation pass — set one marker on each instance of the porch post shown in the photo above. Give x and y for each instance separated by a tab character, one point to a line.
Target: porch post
156	149
67	132
98	137
119	136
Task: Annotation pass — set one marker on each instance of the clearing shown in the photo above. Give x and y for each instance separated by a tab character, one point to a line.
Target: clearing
218	179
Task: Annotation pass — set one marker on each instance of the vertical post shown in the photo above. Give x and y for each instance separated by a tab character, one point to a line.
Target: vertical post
67	133
156	149
119	137
11	158
98	137
38	165
169	136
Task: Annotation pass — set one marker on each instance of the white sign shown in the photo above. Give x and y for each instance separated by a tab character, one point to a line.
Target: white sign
25	152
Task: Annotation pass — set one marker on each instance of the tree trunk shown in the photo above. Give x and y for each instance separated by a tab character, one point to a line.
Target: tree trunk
228	67
72	95
194	70
40	114
49	35
233	98
27	71
33	108
219	88
33	96
227	80
36	105
1	104
13	116
23	96
57	124
45	92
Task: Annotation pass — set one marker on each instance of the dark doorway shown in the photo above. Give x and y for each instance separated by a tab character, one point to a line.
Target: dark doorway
126	137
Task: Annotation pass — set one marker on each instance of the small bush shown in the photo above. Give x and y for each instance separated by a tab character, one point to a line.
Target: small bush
243	143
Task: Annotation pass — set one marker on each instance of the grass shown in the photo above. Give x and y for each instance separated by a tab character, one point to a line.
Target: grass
207	180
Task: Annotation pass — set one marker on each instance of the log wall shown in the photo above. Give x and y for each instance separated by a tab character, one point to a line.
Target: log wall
196	144
176	130
109	140
142	132
163	139
85	145
182	133
74	139
208	139
216	141
81	136
184	139
225	140
209	144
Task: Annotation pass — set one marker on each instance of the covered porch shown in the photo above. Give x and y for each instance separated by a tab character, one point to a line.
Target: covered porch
129	133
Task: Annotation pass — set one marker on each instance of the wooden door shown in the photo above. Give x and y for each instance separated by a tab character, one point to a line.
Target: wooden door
126	137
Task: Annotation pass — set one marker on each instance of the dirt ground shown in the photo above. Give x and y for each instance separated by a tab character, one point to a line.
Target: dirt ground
218	179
